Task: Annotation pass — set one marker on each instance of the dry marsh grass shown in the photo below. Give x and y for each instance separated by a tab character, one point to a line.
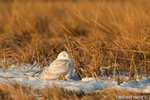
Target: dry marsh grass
96	33
17	91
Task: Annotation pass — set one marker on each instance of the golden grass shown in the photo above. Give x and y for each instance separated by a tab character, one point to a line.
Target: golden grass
17	91
95	33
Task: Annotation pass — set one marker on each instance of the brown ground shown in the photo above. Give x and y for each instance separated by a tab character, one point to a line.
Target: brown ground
19	92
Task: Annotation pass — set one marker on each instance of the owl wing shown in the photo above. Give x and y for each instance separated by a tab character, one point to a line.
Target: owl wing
69	74
60	67
57	68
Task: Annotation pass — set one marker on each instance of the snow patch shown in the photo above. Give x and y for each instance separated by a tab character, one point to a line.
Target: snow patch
88	84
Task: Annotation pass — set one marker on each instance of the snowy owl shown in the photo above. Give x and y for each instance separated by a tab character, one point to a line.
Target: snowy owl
63	65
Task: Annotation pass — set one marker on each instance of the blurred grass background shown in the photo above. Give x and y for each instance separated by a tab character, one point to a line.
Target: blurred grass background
96	32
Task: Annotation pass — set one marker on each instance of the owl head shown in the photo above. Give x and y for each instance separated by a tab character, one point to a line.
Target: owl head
64	55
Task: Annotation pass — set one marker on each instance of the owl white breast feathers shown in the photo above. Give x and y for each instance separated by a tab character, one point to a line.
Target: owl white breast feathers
63	65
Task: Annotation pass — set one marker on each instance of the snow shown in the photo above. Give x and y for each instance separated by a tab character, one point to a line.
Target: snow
88	84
